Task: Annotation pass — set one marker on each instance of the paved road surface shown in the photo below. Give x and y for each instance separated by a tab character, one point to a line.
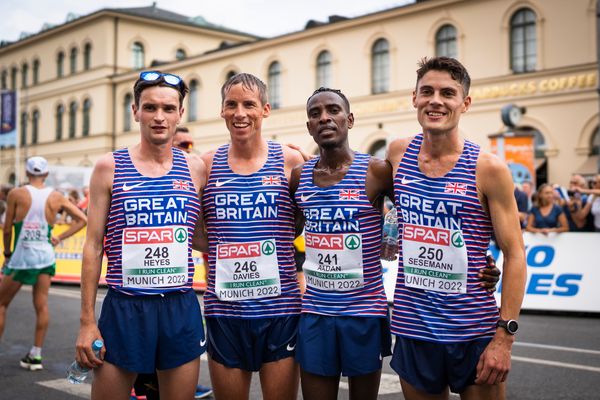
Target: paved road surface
555	357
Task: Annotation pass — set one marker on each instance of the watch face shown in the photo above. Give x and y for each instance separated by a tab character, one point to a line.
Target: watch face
512	326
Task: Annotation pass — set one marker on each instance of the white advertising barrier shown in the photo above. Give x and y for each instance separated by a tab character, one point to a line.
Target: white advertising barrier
563	272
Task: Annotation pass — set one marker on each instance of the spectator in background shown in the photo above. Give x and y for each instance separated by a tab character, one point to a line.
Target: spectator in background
592	207
83	204
546	216
63	216
522	205
573	208
4	189
528	188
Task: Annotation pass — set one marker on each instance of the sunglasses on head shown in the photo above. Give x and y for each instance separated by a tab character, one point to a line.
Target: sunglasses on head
169	79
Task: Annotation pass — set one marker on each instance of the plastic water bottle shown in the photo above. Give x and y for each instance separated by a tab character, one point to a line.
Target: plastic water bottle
77	373
389	245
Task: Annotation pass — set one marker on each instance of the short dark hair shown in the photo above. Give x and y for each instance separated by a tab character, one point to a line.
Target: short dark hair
336	91
182	129
249	82
140	85
457	71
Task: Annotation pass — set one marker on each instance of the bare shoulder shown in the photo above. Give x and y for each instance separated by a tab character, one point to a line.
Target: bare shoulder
196	162
207	158
379	166
492	173
292	157
103	173
397	148
17	193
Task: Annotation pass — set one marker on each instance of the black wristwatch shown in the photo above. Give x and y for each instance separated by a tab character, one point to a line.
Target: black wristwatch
511	325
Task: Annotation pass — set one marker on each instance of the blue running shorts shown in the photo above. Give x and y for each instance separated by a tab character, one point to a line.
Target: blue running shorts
431	367
248	343
334	345
145	333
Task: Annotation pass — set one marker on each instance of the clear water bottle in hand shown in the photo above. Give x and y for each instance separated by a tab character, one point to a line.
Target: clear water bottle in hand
389	241
78	373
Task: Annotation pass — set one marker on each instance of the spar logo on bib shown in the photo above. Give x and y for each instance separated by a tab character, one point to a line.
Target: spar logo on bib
352	242
239	250
268	248
457	239
426	234
149	235
181	235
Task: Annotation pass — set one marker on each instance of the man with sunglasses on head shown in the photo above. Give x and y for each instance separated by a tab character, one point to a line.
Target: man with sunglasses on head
252	302
144	212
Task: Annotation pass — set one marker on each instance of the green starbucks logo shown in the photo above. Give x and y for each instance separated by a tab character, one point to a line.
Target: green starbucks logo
352	242
457	239
181	235
268	248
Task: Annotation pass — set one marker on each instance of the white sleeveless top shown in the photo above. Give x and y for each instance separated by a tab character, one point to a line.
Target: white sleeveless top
33	249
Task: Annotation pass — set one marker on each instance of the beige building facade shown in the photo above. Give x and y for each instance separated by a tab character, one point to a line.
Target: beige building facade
537	54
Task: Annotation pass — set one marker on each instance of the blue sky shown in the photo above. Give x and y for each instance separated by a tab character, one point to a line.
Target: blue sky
260	17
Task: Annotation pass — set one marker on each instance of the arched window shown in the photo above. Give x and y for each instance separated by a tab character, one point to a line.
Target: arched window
36	71
87	56
523	41
3	79
230	75
445	41
180	54
274	84
127	112
72	119
137	55
35	124
60	111
60	64
596	142
85	128
324	69
193	101
13	78
377	149
73	60
23	128
380	67
24	73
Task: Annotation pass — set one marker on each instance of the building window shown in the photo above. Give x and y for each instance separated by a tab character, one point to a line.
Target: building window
193	101
180	54
72	119
3	79
127	112
445	42
137	54
85	129
274	84
35	124
380	73
13	78
324	69
230	75
23	128
60	111
24	73
73	60
377	149
596	142
539	144
87	56
60	64
523	41
36	71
